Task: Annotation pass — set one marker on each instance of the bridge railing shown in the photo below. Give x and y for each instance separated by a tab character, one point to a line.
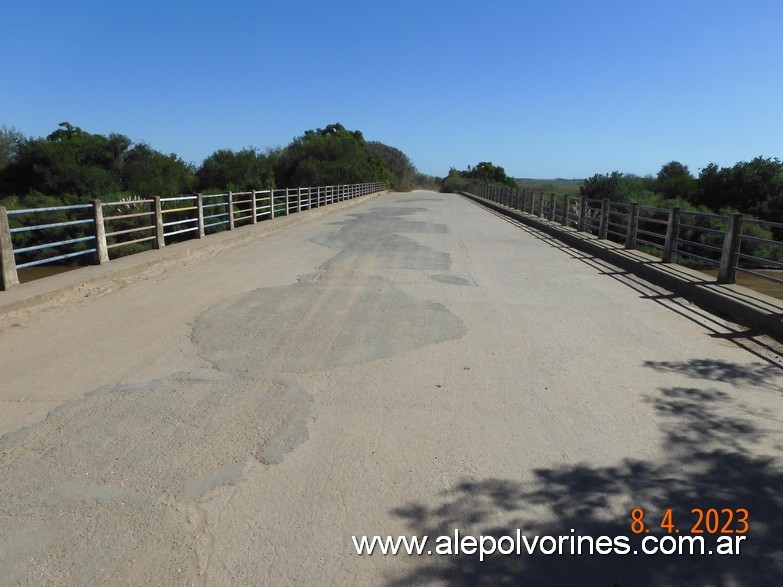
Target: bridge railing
98	230
728	243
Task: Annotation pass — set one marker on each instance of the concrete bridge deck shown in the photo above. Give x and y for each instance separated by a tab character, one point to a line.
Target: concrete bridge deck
410	364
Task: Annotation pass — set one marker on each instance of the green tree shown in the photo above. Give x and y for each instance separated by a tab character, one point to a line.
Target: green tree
68	161
619	187
674	180
328	156
454	182
602	186
755	185
486	172
236	171
146	172
401	169
10	140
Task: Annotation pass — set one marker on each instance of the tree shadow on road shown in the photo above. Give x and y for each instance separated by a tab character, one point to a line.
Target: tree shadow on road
717	453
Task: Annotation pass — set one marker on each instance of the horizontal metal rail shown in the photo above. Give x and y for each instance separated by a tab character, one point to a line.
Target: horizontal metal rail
179	198
758	239
759	260
761	275
128	203
176	222
162	217
129	231
49	209
711	239
698	257
171	210
649	243
221	223
52	245
132	242
703	229
183	231
699	245
52	225
126	216
57	258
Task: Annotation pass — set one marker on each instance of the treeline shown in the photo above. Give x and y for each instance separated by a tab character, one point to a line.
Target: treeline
72	165
484	172
753	188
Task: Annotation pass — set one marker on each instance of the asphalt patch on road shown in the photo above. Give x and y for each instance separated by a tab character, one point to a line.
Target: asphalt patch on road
378	237
119	475
330	319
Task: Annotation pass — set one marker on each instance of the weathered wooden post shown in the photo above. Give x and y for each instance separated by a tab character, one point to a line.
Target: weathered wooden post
565	211
8	275
672	232
253	207
552	198
582	221
727	273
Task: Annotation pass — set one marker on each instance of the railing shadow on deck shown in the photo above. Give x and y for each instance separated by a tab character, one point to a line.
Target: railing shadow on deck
750	339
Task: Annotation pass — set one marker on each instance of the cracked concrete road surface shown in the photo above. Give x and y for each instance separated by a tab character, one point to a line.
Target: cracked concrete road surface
411	365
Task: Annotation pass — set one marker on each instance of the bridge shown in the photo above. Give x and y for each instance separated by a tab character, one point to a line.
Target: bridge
244	409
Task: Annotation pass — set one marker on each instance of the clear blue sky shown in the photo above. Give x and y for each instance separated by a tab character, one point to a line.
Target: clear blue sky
543	88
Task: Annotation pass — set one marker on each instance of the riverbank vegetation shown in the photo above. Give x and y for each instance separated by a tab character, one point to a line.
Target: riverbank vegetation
71	165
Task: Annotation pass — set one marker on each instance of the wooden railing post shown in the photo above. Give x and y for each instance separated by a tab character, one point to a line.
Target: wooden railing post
565	210
253	207
8	275
727	273
271	203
